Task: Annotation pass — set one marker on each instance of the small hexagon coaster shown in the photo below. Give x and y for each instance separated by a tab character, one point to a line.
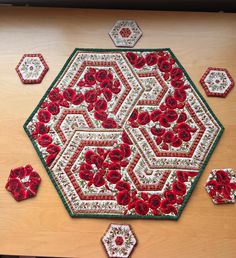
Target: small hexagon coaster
32	68
125	33
119	240
221	186
217	82
23	183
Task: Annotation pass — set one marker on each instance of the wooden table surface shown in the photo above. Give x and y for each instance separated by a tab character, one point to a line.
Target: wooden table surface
41	226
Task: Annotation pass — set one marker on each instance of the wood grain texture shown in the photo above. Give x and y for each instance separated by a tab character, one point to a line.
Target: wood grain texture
41	226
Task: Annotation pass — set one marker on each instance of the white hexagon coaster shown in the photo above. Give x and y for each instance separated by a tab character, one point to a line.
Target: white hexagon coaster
32	68
217	82
221	186
119	241
125	33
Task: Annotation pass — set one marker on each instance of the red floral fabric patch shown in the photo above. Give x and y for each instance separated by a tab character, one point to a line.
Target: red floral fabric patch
23	183
124	134
119	241
221	186
217	82
32	68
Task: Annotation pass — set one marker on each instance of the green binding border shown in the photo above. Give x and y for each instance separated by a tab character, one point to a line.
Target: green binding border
124	216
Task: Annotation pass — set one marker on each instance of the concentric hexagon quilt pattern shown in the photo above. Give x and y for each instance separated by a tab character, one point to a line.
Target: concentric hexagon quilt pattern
124	133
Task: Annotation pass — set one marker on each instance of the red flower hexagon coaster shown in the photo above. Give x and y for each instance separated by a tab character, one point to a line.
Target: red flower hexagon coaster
119	240
221	186
32	68
217	82
125	33
23	183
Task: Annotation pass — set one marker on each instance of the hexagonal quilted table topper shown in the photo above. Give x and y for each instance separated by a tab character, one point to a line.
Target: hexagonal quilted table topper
125	33
32	68
124	134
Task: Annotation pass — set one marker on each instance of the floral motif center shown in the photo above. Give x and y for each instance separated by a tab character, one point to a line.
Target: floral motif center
125	32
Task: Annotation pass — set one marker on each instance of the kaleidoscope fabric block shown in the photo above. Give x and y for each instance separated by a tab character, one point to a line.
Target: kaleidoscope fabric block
23	183
217	82
119	241
221	186
125	33
124	134
32	68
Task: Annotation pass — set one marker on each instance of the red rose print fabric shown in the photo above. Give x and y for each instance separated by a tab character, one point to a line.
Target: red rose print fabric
124	134
23	183
221	186
119	241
